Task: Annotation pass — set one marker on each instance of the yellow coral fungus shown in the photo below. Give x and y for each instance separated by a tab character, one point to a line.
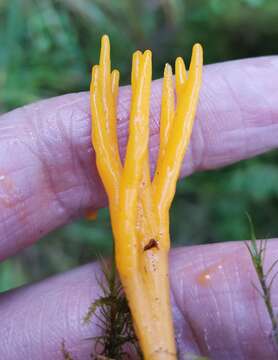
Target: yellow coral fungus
139	206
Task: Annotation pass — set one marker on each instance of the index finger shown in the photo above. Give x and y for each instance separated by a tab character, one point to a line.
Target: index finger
48	174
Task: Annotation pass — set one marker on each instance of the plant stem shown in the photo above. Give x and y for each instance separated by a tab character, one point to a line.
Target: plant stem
257	254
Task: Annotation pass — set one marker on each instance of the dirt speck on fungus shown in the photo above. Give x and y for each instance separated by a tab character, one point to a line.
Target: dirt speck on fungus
151	244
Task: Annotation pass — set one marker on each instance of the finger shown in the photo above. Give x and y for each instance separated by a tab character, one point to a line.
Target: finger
47	168
217	312
224	315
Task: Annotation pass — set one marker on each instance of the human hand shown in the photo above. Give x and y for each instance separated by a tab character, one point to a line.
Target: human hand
48	177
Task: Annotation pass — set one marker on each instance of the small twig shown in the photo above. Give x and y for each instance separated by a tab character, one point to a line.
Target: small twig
258	256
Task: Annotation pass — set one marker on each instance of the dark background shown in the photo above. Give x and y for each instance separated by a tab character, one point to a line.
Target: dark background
47	48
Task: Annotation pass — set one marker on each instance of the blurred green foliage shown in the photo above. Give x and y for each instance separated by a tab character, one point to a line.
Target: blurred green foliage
47	48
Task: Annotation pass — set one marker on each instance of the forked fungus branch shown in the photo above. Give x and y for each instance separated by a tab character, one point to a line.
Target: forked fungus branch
139	206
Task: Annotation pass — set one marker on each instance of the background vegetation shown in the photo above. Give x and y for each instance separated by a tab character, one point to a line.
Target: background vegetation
47	48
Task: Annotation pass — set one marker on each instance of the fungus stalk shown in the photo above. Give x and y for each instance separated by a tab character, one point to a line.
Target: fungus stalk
139	206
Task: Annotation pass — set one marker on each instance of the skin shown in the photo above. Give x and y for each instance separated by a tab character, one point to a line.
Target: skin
48	177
